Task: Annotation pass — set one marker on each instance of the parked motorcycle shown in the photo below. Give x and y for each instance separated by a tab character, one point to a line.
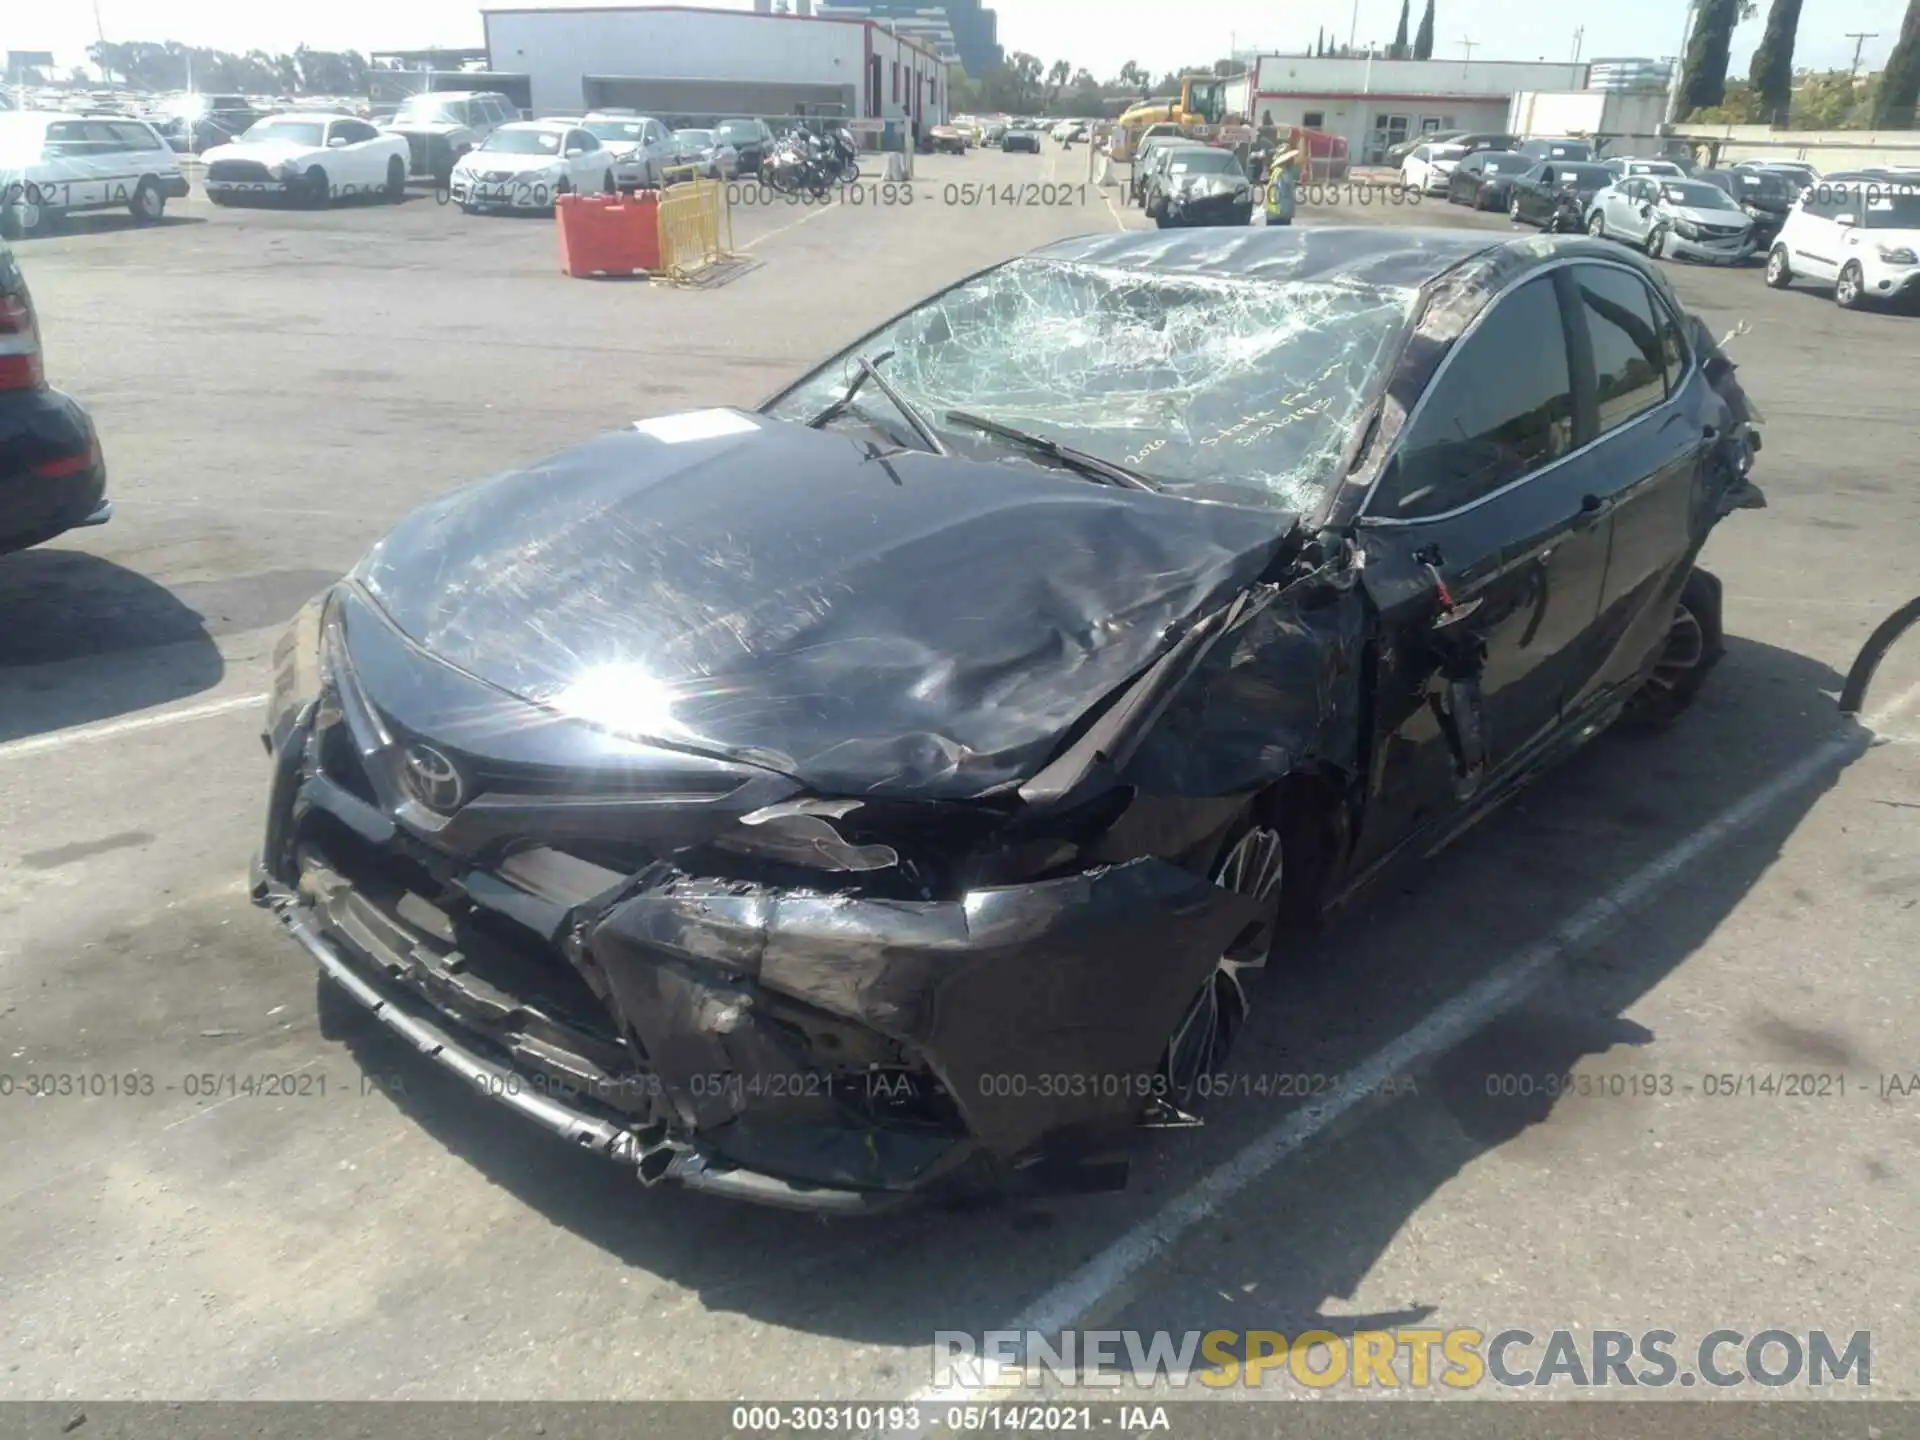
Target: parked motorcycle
803	163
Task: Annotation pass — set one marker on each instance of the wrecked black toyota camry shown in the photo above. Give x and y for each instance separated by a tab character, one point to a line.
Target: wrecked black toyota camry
890	791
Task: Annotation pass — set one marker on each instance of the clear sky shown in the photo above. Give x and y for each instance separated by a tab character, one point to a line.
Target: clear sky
1099	34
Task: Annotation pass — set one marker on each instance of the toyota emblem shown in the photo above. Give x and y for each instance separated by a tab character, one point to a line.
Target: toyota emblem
433	778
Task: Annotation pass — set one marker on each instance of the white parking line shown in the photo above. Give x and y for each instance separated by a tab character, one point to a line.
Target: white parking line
811	215
113	729
1081	1293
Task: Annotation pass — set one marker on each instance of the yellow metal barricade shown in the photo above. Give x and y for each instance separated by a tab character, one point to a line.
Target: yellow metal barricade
696	227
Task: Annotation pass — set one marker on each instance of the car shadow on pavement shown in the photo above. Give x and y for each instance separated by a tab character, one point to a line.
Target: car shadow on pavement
83	639
1309	1232
112	224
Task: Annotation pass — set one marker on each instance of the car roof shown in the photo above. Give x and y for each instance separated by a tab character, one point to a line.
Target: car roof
318	115
535	125
1373	254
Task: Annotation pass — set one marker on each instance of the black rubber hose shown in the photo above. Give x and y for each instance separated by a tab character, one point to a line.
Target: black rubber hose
1853	694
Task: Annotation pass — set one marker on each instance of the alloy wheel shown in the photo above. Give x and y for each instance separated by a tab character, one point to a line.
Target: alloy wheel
1846	290
1252	866
1597	226
1683	654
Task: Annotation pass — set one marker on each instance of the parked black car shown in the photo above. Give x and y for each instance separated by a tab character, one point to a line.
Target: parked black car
1483	178
1201	185
1555	194
751	140
770	800
1765	195
52	476
192	123
1555	149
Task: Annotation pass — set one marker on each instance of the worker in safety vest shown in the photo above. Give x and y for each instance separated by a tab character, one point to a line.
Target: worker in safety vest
1283	180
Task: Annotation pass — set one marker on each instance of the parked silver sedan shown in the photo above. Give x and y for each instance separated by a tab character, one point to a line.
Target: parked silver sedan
1675	219
708	153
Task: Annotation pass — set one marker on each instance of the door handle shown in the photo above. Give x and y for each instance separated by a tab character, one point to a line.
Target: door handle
1593	509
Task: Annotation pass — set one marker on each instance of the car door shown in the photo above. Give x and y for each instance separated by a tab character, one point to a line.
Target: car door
1624	219
588	168
658	148
1814	236
1652	419
70	171
1536	192
348	163
1413	172
1484	568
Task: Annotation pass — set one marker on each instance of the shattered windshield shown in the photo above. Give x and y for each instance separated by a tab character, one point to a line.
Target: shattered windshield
1194	380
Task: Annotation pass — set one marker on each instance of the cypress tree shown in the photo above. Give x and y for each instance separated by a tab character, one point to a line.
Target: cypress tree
1423	37
1399	51
1771	73
1893	106
1703	77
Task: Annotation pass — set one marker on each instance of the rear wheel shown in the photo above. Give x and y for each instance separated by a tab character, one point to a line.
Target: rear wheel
1779	276
1694	644
315	190
149	202
396	186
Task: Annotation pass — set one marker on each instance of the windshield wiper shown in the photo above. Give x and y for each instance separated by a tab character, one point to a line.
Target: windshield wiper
870	370
1108	472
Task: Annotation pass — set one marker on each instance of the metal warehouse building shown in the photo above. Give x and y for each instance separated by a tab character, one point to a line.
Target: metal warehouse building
681	59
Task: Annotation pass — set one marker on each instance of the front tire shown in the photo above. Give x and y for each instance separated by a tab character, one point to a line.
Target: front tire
607	187
1597	226
149	203
1657	242
396	186
1778	275
1850	291
314	190
1250	863
1513	209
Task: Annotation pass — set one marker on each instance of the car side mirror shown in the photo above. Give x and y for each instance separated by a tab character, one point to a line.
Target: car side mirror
575	153
336	142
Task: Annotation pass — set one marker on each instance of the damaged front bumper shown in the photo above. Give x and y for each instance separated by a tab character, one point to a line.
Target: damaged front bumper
815	1050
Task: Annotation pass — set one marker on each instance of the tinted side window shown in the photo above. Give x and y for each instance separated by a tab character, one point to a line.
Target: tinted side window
134	136
1675	353
1502	408
1628	371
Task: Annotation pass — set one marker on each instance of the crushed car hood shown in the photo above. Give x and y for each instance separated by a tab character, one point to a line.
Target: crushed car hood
867	622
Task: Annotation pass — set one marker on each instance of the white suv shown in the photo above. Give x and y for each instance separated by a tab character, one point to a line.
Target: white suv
1862	237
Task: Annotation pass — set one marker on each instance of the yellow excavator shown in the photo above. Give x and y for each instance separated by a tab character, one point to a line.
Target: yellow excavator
1202	101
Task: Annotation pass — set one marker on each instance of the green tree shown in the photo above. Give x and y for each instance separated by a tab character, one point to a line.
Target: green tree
1423	37
1401	48
1893	107
1703	74
1771	74
1132	77
1058	74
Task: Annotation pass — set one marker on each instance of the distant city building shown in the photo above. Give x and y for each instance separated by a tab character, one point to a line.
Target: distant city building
1635	74
961	32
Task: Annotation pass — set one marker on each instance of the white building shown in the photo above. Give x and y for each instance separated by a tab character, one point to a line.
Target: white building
1374	102
681	59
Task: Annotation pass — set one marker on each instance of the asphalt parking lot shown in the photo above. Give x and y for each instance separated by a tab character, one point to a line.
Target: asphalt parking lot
274	388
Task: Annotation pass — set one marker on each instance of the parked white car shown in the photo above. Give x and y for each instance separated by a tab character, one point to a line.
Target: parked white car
529	164
1427	170
54	164
1860	237
1622	168
642	147
311	156
1678	219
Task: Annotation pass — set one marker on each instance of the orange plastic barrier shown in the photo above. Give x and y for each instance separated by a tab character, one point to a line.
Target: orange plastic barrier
608	235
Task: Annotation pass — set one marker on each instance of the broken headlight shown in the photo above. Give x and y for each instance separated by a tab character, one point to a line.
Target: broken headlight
298	671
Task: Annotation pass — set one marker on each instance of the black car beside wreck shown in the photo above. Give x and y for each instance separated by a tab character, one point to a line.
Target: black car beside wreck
892	791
